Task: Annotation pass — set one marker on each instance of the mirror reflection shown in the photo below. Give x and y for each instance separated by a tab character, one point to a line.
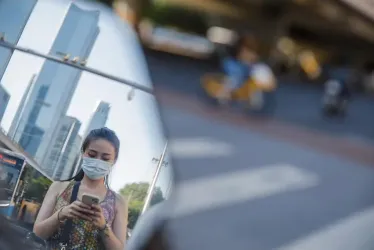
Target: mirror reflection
79	148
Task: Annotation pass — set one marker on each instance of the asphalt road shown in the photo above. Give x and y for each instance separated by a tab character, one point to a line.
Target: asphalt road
262	193
252	190
296	103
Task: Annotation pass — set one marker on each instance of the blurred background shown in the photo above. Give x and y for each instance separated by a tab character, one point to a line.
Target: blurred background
298	177
304	41
292	171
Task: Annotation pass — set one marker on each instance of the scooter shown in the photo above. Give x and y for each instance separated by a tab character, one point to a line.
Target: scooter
258	98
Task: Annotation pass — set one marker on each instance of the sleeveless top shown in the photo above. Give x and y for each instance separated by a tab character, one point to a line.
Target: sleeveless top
83	235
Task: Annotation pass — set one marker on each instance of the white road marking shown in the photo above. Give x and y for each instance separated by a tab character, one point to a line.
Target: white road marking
208	193
199	148
352	233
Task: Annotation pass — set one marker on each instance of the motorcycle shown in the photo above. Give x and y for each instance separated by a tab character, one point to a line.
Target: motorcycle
333	103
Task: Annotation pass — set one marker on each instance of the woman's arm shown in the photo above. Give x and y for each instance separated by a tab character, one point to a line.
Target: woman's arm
47	223
115	237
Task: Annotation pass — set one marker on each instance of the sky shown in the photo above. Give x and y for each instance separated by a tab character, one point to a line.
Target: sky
117	52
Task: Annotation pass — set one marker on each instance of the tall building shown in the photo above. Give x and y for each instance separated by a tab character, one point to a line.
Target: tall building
4	100
57	156
72	159
98	118
55	85
13	18
16	120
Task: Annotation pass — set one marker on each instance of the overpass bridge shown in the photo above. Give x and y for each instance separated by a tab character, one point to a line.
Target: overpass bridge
9	144
318	25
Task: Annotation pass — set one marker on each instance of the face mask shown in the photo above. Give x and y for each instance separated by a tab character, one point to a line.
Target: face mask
95	169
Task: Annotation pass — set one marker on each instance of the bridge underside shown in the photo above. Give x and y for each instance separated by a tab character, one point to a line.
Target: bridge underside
328	24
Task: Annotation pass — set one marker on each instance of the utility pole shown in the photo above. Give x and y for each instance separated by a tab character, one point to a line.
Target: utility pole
170	185
151	188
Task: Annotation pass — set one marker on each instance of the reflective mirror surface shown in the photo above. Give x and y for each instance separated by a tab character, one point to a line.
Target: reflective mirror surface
64	66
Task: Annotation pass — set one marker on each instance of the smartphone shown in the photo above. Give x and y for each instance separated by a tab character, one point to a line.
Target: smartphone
90	199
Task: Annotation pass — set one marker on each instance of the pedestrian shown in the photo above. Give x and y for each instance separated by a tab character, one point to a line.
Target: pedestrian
68	223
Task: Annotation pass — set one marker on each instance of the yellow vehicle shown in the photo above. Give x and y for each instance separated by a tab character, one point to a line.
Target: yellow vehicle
256	96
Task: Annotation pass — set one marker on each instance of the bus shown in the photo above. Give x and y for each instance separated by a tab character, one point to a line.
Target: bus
22	187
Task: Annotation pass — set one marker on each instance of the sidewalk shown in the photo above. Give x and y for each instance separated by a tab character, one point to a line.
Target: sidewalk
342	147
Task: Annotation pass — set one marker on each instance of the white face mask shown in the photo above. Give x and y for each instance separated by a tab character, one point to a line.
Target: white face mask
95	169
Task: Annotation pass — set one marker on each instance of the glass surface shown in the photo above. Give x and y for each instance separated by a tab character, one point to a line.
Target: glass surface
51	107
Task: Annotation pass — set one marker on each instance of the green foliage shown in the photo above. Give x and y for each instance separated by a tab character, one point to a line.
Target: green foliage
136	194
36	188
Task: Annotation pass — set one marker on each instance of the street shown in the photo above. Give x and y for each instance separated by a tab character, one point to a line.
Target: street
312	189
296	102
267	188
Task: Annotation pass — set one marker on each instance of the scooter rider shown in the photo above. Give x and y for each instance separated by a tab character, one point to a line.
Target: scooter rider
341	76
237	68
337	91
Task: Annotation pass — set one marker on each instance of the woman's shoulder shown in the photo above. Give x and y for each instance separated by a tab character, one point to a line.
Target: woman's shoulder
62	184
120	200
59	186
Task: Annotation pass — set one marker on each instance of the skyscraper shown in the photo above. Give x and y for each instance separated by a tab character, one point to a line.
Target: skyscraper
57	156
4	100
98	118
55	85
73	157
13	18
21	107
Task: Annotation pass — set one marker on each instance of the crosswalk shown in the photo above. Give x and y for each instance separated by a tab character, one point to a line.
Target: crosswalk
205	194
258	182
200	147
352	233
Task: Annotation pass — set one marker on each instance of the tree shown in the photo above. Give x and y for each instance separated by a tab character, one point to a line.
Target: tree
136	194
37	188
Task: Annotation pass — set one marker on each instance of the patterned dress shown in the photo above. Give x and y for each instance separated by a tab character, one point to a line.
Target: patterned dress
84	235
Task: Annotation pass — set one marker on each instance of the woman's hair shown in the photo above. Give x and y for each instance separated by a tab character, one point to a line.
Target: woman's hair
96	134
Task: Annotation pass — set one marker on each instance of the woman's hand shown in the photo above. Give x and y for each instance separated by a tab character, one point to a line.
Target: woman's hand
77	209
97	217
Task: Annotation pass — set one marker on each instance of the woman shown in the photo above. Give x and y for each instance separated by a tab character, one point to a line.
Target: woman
66	222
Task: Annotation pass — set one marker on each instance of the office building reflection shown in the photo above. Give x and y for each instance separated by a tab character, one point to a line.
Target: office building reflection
13	18
44	111
73	159
98	118
57	156
4	100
